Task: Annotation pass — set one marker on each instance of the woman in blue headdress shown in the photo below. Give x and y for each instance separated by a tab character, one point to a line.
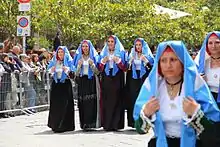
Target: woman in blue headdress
85	60
61	112
112	66
140	62
175	101
208	62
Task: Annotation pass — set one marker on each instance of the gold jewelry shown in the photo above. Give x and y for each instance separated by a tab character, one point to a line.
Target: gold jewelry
171	88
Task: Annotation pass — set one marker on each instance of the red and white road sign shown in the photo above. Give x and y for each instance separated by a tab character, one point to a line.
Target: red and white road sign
24	1
23	26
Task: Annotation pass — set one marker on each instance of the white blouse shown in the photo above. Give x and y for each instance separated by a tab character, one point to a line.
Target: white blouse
137	63
171	111
111	61
59	69
212	76
85	66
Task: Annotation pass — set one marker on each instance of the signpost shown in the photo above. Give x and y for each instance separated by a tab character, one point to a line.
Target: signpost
23	22
23	27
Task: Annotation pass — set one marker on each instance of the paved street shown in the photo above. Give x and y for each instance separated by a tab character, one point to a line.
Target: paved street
31	131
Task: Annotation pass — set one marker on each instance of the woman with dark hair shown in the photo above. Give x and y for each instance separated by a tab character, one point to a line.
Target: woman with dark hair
112	66
140	62
5	88
85	61
175	103
61	112
208	61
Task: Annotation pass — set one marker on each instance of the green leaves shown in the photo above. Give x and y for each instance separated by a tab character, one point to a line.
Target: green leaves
128	19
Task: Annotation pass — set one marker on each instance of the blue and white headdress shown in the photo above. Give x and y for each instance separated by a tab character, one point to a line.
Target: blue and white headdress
93	55
203	55
119	52
146	52
67	61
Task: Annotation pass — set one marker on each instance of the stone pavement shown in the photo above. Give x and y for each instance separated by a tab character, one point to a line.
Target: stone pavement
32	131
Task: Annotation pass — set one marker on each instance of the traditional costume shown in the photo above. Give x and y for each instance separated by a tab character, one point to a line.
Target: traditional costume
212	75
203	61
88	87
61	112
136	75
171	126
112	85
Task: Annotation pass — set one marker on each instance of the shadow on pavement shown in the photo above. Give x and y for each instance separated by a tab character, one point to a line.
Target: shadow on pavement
50	132
127	132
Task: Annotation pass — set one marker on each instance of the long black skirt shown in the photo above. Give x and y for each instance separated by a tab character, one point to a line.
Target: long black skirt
88	103
112	101
215	95
133	87
211	137
61	112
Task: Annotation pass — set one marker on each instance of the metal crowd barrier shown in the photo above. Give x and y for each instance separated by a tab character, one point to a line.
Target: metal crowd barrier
24	91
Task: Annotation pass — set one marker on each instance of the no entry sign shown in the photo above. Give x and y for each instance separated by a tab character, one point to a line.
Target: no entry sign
23	22
23	27
24	1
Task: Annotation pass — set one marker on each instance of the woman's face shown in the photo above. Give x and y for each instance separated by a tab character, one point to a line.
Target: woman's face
214	45
138	46
36	59
170	65
49	57
85	48
6	59
60	54
111	43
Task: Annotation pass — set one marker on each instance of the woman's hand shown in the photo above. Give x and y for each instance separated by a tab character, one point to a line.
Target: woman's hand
80	62
116	59
105	59
52	69
189	106
65	68
91	62
151	107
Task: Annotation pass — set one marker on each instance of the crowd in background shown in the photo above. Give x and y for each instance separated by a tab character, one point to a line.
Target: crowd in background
27	69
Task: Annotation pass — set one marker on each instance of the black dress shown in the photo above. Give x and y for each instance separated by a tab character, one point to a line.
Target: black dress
88	103
133	87
112	101
61	112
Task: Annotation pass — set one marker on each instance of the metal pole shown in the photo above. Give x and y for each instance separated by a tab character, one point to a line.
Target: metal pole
24	44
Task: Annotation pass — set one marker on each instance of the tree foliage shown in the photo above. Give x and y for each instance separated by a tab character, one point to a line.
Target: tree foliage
128	19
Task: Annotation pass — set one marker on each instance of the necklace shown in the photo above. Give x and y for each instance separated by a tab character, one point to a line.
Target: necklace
215	58
171	90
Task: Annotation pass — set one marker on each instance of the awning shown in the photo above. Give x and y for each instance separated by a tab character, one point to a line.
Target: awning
174	14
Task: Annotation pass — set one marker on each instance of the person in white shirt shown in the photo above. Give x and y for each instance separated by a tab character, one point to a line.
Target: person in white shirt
112	67
140	62
175	101
208	62
85	60
61	111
